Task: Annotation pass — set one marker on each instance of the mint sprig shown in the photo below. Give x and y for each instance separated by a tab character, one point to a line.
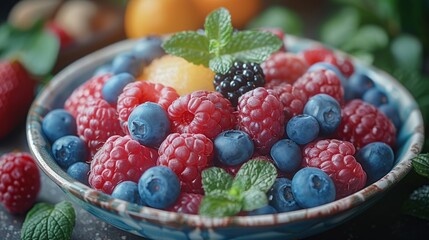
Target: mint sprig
421	164
219	46
46	221
227	196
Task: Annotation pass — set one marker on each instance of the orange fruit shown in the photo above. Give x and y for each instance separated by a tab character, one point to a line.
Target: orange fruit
155	17
179	74
242	11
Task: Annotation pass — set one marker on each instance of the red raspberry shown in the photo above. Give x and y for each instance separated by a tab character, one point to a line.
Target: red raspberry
96	122
187	203
86	92
120	159
321	54
140	92
292	98
321	81
203	112
336	159
187	155
362	123
284	66
19	181
260	114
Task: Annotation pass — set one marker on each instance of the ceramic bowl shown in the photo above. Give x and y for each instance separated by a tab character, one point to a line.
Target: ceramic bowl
159	224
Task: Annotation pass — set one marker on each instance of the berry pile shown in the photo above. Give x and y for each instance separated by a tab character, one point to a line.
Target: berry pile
303	113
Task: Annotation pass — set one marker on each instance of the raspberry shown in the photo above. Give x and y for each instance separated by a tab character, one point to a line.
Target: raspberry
362	123
203	112
140	92
336	159
19	181
284	66
86	92
240	78
321	54
187	155
187	203
321	81
120	159
260	115
292	98
96	122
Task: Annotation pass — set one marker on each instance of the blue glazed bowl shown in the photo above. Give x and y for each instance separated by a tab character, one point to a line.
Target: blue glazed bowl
159	224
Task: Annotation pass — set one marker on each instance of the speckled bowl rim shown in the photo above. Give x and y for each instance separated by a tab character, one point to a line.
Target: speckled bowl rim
36	141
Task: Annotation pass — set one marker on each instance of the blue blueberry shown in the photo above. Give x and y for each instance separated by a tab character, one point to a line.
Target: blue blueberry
391	111
286	155
312	187
325	65
68	150
58	123
128	191
267	209
359	83
114	86
327	112
126	62
103	69
79	171
233	147
375	97
376	159
281	197
148	48
302	129
159	187
148	124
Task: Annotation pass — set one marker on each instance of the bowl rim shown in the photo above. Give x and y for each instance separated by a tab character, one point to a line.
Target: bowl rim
104	201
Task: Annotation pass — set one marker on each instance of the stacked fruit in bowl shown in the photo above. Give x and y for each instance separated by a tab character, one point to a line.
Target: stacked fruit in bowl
217	123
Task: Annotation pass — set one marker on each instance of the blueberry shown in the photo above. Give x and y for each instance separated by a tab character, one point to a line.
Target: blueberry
58	123
326	110
377	160
103	69
390	110
114	86
359	83
312	187
267	209
79	171
126	62
281	197
148	48
148	124
233	147
375	97
128	191
159	187
325	65
68	150
286	155
302	129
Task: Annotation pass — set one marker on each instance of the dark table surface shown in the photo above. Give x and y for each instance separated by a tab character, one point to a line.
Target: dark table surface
383	220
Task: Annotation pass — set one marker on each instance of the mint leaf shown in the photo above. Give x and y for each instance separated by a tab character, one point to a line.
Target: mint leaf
215	179
418	203
189	45
221	64
257	174
220	205
45	221
252	46
218	30
421	164
254	199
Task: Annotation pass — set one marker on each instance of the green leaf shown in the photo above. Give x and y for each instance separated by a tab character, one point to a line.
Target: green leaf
219	206
407	51
421	164
215	179
189	45
340	27
368	38
45	221
221	64
418	203
256	174
254	199
218	29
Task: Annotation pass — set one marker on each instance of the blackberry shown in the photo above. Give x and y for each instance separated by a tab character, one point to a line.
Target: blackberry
240	78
